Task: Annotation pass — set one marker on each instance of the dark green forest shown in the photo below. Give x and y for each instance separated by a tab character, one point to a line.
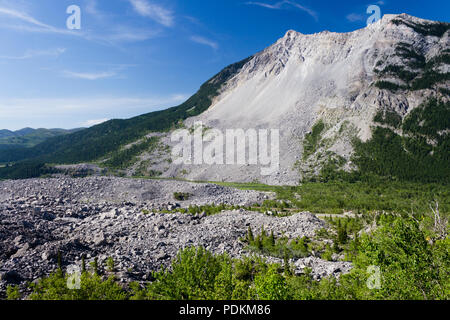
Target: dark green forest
422	154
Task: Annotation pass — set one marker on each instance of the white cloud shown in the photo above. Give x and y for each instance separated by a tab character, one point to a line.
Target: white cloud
22	16
89	75
27	23
60	106
205	41
91	123
126	34
36	53
153	11
279	5
33	25
91	8
353	17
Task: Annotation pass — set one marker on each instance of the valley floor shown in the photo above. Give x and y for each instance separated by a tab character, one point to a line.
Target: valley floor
138	223
131	228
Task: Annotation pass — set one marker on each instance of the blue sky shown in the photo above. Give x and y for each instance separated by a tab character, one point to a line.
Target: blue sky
135	56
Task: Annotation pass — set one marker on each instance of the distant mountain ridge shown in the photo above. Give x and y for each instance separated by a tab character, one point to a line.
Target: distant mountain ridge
29	137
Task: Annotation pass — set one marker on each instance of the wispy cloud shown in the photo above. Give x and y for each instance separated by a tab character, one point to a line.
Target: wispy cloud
31	23
94	104
91	8
72	112
153	11
202	40
89	75
353	17
91	123
282	4
357	17
117	34
128	34
112	71
36	53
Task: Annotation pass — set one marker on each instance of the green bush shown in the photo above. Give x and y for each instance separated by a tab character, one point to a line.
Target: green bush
277	247
181	196
270	285
411	267
192	277
93	287
311	141
13	293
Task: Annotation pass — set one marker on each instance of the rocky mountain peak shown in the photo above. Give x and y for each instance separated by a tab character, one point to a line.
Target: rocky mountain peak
341	79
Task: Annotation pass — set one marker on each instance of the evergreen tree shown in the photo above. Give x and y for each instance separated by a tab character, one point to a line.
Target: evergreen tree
342	233
287	267
271	239
250	237
83	264
95	266
258	242
263	234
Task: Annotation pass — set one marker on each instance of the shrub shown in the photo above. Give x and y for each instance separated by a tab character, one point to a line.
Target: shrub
270	285
277	247
93	287
311	141
406	260
192	277
13	293
181	196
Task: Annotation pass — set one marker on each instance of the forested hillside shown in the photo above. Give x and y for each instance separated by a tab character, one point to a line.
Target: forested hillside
28	137
95	142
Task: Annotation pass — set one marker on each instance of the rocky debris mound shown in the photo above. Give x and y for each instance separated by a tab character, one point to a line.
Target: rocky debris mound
44	220
98	190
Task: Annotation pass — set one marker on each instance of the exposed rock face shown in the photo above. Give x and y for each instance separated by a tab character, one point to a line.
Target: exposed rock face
74	217
303	78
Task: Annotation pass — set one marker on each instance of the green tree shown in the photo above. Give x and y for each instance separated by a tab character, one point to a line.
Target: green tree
192	277
270	285
250	237
110	264
406	260
12	293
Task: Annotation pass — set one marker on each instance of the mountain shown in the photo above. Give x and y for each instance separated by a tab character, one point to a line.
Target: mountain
374	102
340	84
28	137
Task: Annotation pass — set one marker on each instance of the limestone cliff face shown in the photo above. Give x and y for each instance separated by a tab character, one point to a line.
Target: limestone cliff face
329	77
